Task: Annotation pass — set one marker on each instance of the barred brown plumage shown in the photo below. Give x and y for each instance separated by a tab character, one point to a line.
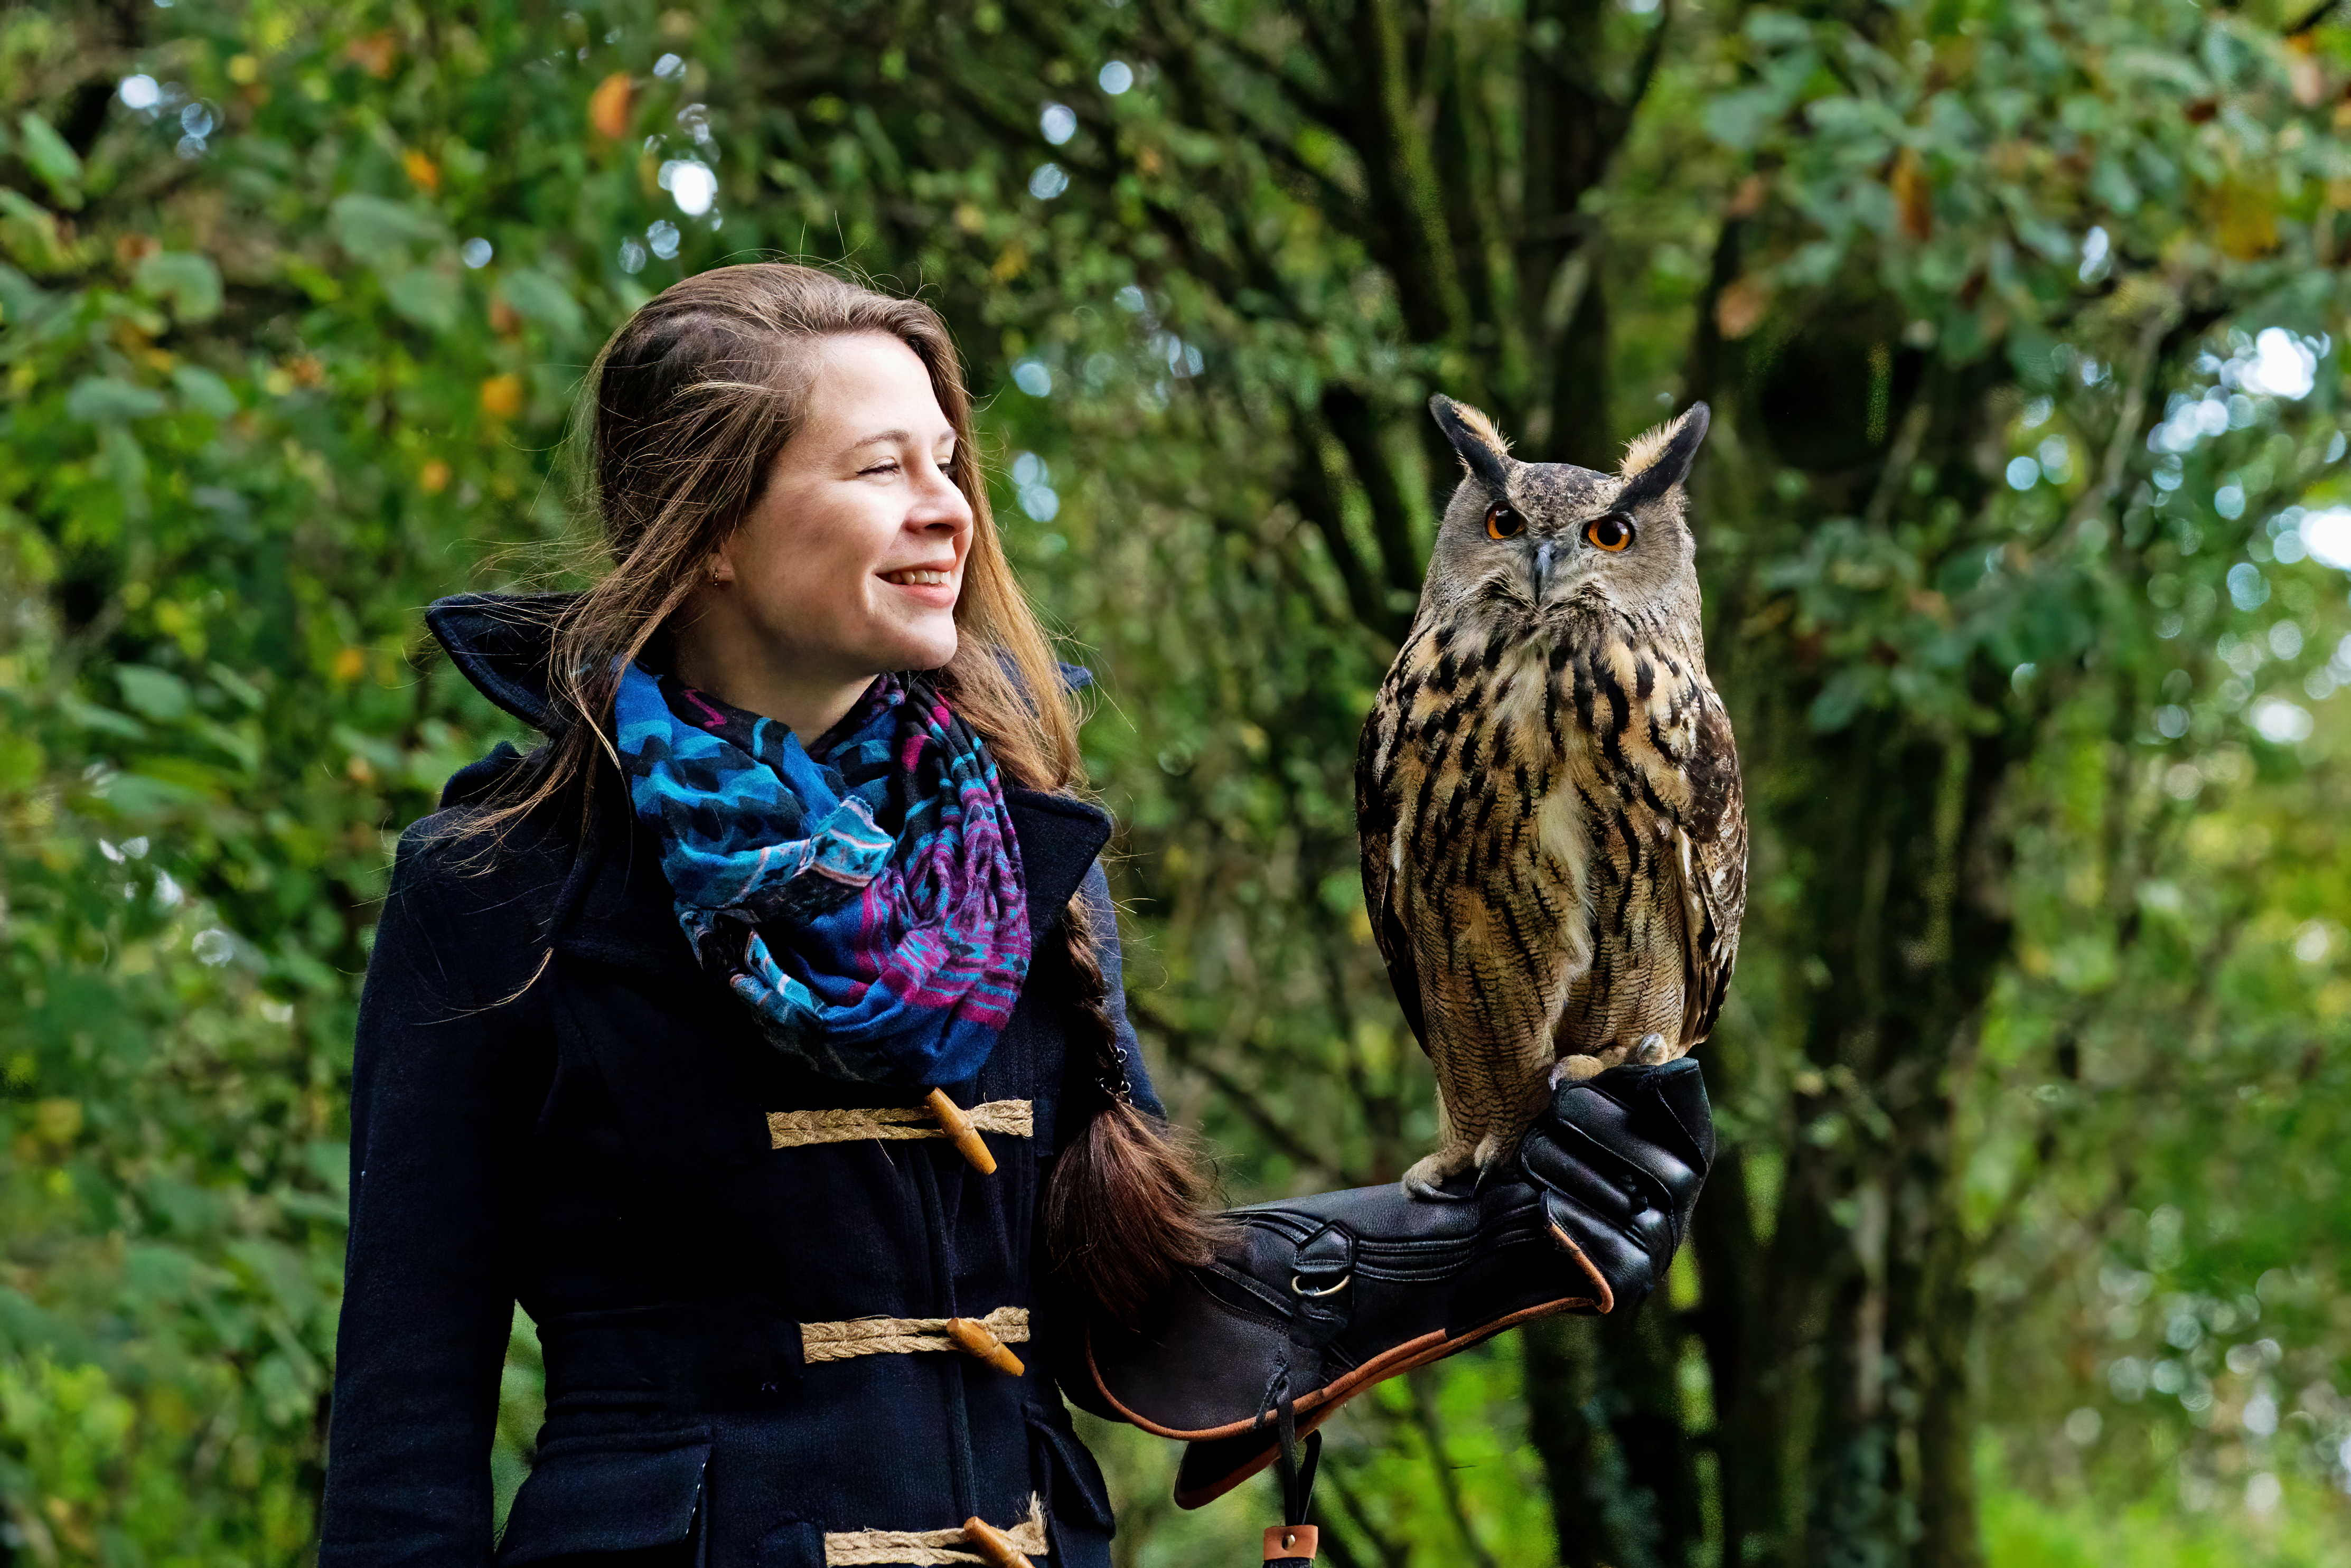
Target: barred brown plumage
1554	839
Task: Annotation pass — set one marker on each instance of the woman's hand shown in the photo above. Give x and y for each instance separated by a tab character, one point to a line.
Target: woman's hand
1619	1159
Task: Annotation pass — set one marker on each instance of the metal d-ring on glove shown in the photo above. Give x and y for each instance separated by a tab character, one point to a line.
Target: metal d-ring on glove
1316	1299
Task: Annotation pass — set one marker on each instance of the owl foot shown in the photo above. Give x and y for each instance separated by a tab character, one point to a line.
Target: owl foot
1575	1070
1428	1175
1651	1051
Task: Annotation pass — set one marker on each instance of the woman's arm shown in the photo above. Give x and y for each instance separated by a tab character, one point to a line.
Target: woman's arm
427	1303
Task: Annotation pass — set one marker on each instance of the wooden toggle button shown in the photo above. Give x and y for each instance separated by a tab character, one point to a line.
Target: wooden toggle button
1286	1541
960	1132
976	1339
994	1545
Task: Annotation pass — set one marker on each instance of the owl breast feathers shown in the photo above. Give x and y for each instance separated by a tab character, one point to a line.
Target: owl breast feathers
1554	840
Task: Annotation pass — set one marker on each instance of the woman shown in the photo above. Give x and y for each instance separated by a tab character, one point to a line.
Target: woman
757	1031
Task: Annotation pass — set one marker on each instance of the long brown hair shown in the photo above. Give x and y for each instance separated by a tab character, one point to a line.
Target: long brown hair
687	407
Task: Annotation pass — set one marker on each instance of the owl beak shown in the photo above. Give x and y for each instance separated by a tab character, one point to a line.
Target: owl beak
1543	569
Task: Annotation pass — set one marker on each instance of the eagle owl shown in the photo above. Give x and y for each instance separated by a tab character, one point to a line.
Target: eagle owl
1554	840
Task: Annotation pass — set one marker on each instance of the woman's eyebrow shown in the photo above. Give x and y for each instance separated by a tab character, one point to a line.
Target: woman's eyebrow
887	437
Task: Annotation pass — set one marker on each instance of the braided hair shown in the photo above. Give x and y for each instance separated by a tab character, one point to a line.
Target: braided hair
1126	1208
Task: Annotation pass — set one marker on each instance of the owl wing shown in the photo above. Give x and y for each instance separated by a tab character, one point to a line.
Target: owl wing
1710	834
1375	826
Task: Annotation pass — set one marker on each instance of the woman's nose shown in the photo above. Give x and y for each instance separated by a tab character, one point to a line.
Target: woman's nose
938	504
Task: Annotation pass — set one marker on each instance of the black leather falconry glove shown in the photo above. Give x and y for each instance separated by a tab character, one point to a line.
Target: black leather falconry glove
1314	1300
1620	1160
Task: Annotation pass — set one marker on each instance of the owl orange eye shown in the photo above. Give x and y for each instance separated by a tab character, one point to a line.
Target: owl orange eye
1611	533
1501	523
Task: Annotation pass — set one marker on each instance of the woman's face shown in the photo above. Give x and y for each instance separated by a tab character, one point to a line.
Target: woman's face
851	562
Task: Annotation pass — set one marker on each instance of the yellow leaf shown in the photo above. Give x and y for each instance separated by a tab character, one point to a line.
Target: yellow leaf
2244	220
1740	309
1913	196
502	396
349	664
374	54
422	170
433	477
609	105
58	1122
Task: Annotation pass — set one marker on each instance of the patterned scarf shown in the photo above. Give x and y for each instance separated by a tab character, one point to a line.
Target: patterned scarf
863	898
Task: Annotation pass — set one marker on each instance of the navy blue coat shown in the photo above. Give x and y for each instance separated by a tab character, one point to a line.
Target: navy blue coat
552	1103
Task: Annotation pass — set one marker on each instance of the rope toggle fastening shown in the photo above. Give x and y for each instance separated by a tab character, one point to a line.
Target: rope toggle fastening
960	1132
973	1338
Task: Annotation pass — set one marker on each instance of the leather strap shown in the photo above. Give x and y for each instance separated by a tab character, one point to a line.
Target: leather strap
1290	1545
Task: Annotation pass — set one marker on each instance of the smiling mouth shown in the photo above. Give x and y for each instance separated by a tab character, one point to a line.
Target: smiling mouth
919	577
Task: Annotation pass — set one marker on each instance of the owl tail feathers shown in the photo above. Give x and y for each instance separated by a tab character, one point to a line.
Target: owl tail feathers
1127	1210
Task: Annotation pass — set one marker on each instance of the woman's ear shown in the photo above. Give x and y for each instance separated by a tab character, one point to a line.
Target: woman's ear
722	565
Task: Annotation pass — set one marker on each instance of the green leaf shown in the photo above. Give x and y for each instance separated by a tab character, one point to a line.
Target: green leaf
1846	693
204	391
190	282
88	716
29	232
374	230
540	299
103	398
427	298
137	795
1737	119
47	154
21	298
159	694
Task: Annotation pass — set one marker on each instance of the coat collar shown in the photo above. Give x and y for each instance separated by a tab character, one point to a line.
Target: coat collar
504	643
616	906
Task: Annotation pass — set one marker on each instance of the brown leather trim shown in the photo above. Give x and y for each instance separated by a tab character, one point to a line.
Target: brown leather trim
1223	1484
1325	1402
1285	1541
1433	1346
1606	1301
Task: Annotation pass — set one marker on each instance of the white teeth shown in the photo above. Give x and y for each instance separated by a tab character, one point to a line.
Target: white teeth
919	579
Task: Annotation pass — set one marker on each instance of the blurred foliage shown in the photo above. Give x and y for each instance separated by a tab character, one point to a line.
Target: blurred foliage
2023	530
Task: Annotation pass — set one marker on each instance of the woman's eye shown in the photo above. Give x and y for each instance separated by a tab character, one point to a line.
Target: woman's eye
1501	523
889	467
1611	533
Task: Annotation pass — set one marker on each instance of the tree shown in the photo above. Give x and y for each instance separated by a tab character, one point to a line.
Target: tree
2019	323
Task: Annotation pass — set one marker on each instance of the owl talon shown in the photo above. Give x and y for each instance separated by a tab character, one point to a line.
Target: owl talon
1426	1178
1652	1052
1575	1070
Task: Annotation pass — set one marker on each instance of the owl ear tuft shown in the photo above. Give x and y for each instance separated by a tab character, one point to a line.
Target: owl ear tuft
1656	462
1482	448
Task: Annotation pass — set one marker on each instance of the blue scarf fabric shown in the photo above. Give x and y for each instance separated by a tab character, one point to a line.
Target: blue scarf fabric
863	898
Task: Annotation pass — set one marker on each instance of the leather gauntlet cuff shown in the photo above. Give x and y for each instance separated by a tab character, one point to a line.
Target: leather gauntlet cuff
1316	1299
